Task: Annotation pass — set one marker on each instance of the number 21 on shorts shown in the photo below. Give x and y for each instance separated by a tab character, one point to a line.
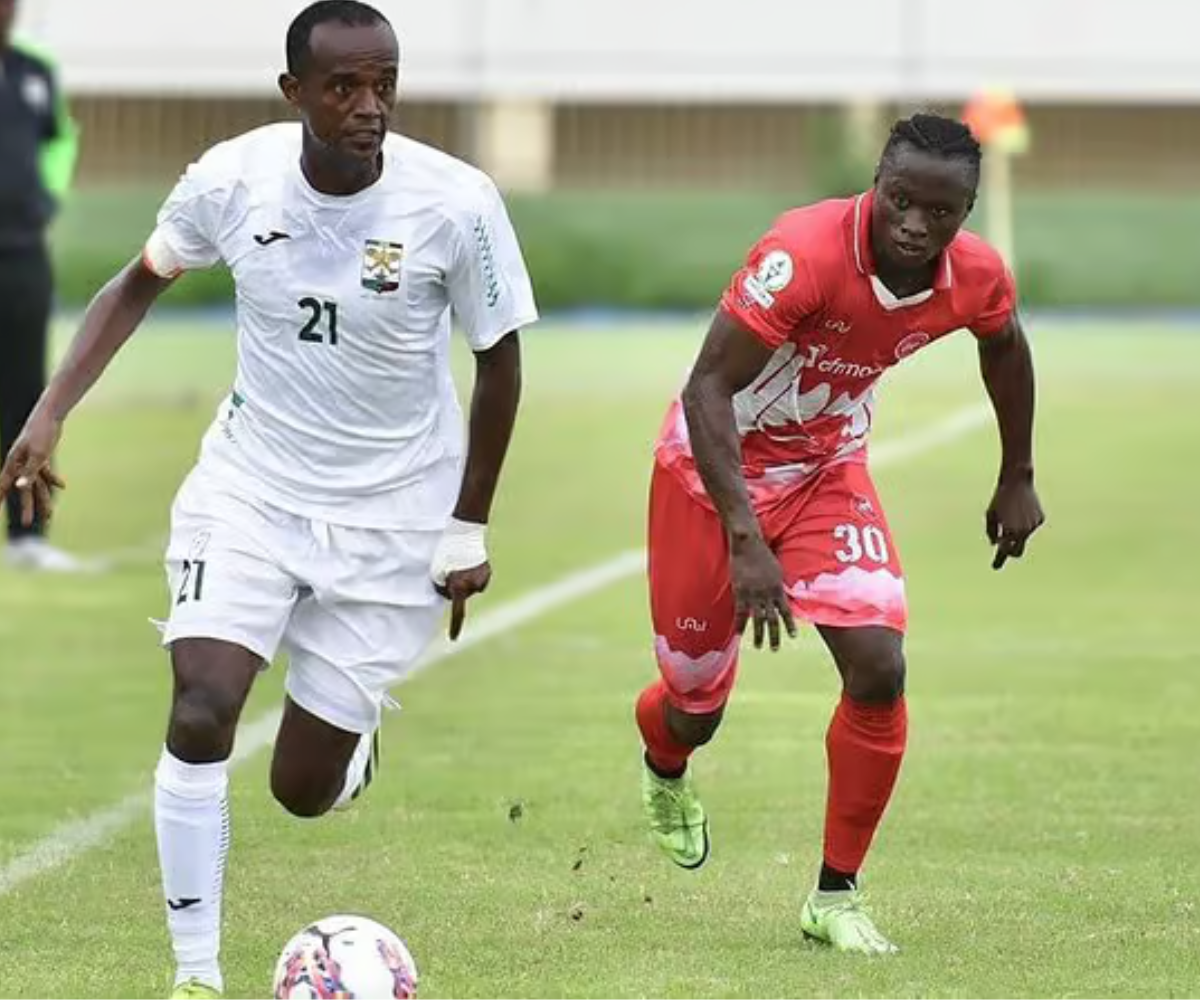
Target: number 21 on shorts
858	543
191	585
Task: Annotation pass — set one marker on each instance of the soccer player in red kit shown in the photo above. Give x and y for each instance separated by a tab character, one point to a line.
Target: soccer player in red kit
762	509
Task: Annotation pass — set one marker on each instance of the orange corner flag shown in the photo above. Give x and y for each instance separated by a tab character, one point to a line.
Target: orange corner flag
998	121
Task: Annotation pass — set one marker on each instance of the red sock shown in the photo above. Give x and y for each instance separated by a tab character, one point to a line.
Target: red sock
665	753
864	746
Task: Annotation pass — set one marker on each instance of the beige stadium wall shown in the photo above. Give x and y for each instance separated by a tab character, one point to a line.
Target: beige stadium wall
1101	146
146	139
134	140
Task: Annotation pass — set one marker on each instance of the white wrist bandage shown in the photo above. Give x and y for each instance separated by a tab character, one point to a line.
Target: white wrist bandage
462	546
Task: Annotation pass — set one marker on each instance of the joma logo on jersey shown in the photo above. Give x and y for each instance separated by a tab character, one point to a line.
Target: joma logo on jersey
381	266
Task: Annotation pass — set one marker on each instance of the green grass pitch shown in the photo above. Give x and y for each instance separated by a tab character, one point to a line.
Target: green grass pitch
1044	837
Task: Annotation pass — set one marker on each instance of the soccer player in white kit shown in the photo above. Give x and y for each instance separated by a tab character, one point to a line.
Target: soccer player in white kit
331	513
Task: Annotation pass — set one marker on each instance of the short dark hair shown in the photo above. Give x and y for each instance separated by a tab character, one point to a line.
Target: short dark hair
938	135
348	12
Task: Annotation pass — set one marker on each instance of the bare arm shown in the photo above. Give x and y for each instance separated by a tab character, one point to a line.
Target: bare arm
730	359
494	403
1006	364
1015	513
110	320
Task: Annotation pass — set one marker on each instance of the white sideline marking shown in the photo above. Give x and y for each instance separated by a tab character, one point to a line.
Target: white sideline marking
71	839
882	454
958	424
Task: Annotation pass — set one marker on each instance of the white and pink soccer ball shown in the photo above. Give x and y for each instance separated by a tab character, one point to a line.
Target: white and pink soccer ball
345	956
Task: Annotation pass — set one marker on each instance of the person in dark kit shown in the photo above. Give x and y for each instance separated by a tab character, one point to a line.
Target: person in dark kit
38	145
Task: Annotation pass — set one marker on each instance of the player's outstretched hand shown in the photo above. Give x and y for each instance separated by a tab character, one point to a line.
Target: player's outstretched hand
1014	514
27	468
759	593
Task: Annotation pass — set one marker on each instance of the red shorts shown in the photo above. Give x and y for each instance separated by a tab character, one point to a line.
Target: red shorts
839	564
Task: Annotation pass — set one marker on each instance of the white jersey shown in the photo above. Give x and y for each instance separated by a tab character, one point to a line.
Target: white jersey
343	408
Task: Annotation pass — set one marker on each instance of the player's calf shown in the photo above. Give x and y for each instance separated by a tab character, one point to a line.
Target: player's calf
309	792
304	796
864	748
692	730
311	762
668	734
191	805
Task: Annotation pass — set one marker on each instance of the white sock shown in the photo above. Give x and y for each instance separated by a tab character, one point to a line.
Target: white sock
191	818
360	771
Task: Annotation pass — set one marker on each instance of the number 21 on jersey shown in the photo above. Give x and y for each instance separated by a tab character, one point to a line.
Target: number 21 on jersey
321	326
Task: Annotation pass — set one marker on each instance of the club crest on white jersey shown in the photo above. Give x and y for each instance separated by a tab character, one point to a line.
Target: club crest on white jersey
381	266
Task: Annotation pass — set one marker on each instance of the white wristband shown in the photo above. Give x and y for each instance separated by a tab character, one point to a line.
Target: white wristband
462	546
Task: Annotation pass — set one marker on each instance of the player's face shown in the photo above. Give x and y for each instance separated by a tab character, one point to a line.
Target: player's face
347	91
921	201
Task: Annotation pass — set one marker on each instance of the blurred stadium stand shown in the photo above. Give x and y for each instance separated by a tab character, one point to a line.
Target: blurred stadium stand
705	93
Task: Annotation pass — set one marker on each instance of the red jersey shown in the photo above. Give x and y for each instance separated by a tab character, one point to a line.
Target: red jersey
809	290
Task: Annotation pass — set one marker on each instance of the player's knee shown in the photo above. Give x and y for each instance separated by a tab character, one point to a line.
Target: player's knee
203	722
879	677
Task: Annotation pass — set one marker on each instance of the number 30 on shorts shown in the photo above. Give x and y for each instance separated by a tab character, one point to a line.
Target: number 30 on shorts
869	541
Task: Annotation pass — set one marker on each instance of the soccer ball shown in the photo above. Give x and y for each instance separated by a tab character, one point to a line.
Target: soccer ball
345	956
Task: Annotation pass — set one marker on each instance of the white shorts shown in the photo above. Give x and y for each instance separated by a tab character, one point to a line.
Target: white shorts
353	608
